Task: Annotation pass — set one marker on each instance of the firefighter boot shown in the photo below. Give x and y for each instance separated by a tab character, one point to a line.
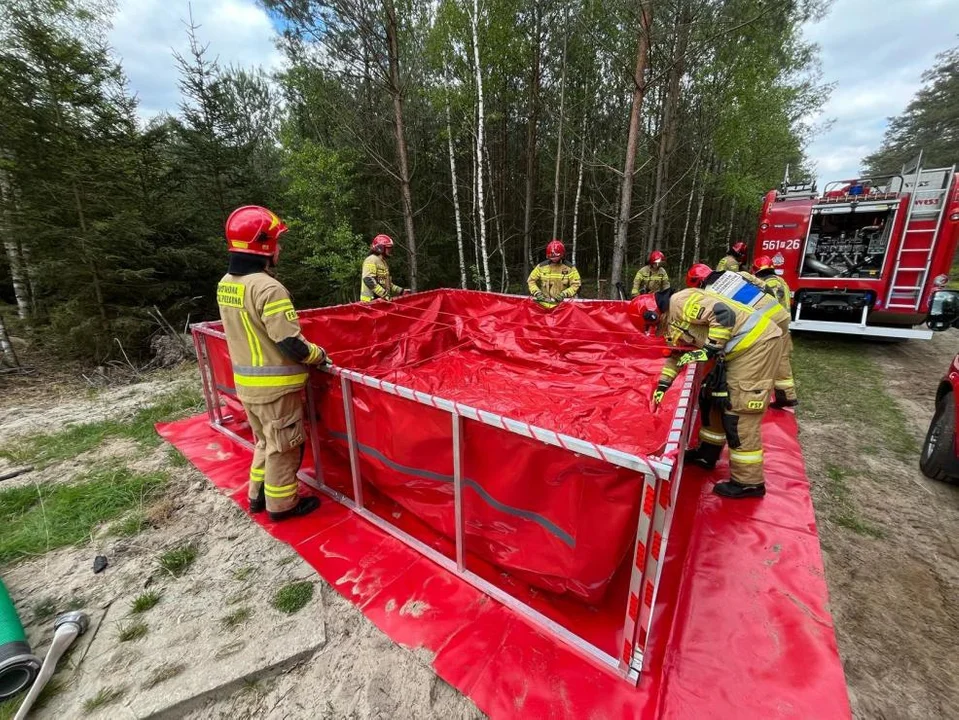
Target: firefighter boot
738	491
304	506
782	401
705	455
258	503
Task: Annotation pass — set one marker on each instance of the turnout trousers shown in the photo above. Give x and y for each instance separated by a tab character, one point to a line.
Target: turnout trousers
278	428
750	378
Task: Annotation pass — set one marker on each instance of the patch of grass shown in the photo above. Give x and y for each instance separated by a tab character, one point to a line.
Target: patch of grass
44	609
106	696
130	632
36	519
838	382
129	526
162	674
178	560
235	618
243	573
840	507
176	458
43	450
8	708
77	602
144	601
293	596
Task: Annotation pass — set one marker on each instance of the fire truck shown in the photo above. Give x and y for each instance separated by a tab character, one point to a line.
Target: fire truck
863	257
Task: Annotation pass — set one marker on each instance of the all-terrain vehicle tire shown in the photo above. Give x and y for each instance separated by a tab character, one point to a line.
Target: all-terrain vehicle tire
938	458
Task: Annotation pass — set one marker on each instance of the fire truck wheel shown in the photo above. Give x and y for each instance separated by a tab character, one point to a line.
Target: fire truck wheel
938	459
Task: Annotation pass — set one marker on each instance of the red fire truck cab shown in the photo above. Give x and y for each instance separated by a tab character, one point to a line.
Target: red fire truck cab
864	257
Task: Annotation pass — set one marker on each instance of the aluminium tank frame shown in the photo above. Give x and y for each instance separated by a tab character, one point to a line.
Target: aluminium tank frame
660	479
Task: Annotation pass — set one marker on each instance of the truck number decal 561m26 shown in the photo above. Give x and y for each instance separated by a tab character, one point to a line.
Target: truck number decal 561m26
781	244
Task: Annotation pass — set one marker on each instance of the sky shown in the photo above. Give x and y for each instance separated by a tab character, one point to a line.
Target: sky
874	51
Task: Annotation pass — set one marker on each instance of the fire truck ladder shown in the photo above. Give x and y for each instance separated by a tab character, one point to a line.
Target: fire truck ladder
908	282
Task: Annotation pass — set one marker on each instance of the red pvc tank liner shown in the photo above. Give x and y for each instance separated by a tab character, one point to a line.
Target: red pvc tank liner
556	520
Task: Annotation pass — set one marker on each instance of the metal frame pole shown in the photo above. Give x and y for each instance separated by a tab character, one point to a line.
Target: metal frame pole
203	363
314	431
347	386
458	490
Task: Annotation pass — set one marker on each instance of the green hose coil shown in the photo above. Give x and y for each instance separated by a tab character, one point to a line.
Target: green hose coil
18	666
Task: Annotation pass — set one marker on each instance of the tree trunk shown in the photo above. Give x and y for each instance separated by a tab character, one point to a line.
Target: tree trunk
531	140
559	135
667	137
599	256
732	215
699	218
579	186
456	198
396	91
480	120
18	273
689	209
632	139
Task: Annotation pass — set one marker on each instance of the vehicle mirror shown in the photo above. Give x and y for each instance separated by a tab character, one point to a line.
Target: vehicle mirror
943	310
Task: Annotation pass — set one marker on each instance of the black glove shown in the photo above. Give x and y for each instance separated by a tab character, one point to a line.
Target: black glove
718	388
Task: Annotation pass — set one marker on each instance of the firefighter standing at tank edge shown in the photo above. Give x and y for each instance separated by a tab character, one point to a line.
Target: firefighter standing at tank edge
770	304
746	346
376	281
269	356
765	271
735	258
652	277
554	280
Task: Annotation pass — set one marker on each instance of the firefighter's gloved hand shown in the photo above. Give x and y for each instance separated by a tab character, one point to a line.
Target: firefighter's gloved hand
694	356
539	297
659	392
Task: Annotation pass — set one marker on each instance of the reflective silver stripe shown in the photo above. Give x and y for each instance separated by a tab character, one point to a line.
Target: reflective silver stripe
269	370
752	321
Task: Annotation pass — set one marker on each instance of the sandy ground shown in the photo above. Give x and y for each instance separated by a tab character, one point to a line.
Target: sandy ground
325	661
895	599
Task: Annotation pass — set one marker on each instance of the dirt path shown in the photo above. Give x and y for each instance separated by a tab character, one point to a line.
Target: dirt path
894	584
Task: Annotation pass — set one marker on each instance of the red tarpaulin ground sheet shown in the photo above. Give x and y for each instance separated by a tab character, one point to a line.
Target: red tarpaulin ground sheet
741	629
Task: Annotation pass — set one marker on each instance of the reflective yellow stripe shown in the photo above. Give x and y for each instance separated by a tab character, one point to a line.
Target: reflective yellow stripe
750	337
280	491
668	372
259	472
256	352
269	381
713	438
746	457
275	308
786	383
722	334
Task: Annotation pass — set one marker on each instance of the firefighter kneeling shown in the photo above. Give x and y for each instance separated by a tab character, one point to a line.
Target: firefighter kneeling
269	355
746	347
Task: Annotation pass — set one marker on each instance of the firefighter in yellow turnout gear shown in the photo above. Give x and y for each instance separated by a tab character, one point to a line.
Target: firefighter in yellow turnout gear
785	388
746	346
734	259
376	282
269	356
652	277
553	280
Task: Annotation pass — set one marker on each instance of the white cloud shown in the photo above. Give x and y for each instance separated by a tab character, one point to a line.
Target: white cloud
875	54
146	32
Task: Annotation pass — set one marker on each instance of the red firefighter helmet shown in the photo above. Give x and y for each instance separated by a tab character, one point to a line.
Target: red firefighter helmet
739	250
555	250
656	256
697	275
382	245
763	262
643	312
255	230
